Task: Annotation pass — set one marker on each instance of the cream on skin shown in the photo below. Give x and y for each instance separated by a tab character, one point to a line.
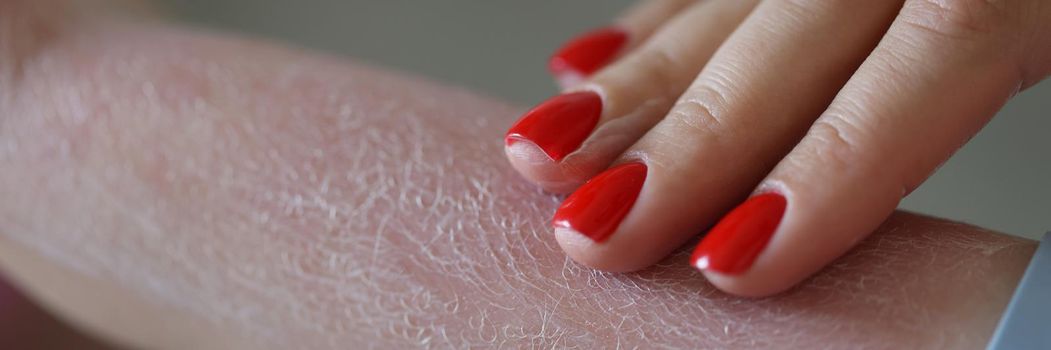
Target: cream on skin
171	188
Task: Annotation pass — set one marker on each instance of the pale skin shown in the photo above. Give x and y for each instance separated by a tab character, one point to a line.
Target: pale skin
842	107
169	188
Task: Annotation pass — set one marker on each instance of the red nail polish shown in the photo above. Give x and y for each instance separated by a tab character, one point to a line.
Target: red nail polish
588	52
596	208
559	125
732	245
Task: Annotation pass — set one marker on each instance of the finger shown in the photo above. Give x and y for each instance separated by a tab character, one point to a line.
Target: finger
935	78
743	113
587	53
574	136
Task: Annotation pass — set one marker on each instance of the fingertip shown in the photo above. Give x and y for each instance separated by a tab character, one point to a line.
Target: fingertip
587	252
744	285
536	166
589	52
576	245
568	79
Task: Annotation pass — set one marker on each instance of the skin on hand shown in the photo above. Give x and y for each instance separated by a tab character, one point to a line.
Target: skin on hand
785	130
257	197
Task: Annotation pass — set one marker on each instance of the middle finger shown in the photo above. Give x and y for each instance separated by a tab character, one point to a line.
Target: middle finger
745	111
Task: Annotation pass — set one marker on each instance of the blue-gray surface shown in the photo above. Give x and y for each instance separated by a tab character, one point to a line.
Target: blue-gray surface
1027	322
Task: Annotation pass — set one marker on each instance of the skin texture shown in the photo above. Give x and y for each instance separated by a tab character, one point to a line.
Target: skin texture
170	188
841	107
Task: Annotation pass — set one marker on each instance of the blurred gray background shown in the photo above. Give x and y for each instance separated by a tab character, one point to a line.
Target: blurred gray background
500	47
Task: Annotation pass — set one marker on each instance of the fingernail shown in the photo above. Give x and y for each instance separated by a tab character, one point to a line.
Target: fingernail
596	208
559	125
732	245
588	52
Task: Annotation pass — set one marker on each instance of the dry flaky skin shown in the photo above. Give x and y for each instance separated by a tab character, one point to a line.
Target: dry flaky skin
253	195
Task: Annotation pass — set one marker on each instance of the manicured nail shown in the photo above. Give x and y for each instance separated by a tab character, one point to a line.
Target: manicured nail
596	208
588	52
732	245
559	125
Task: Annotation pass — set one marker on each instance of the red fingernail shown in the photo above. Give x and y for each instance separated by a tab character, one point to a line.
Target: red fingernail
596	208
732	245
588	52
559	125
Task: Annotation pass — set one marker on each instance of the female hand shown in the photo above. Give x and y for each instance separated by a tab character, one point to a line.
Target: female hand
827	112
173	188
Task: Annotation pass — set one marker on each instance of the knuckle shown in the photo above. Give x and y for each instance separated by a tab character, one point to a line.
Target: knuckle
837	141
662	67
844	145
805	8
960	19
702	107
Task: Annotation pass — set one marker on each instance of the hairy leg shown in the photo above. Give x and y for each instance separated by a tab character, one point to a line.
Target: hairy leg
173	188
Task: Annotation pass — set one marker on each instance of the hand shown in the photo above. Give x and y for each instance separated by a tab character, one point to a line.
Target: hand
172	188
827	112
